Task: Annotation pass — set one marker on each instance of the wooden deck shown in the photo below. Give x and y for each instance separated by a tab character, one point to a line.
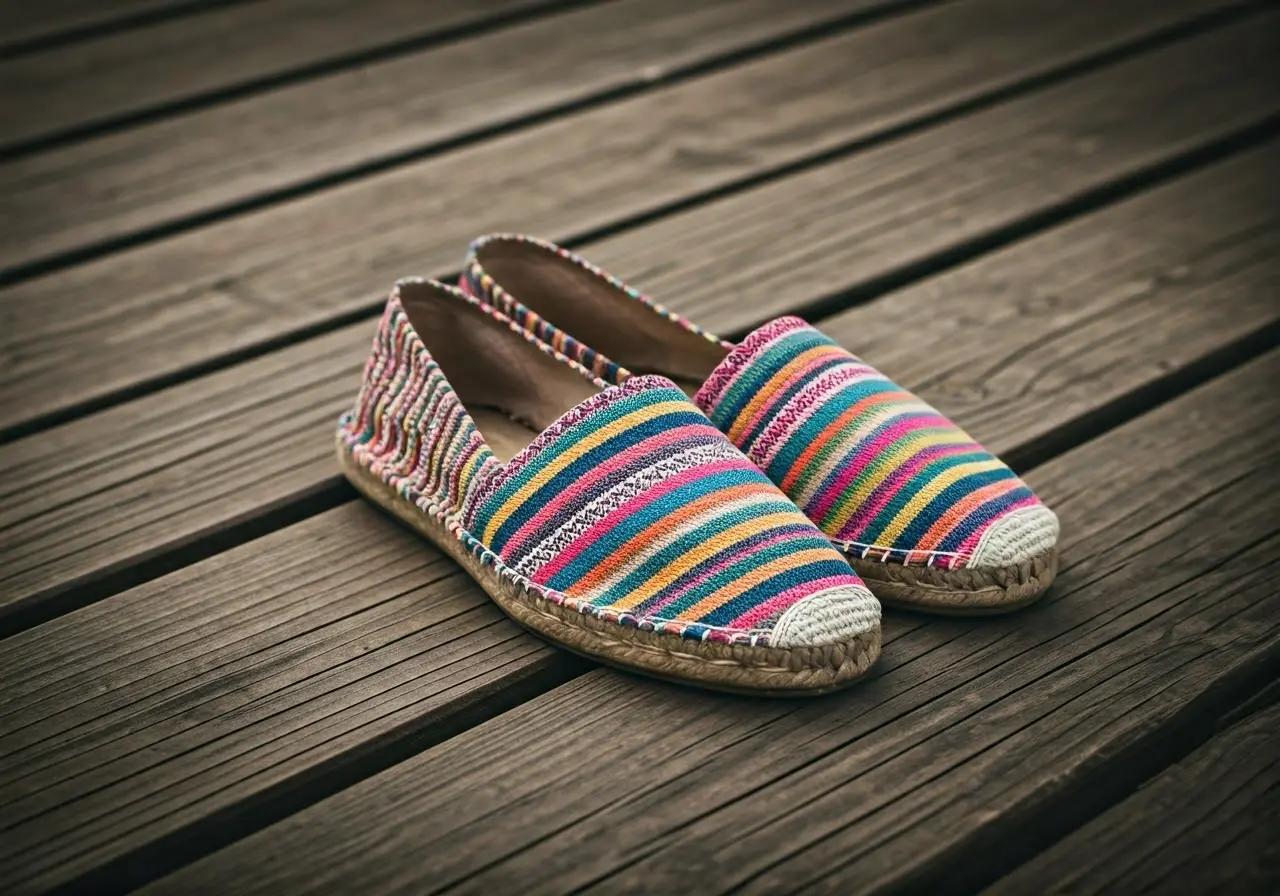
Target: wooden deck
220	672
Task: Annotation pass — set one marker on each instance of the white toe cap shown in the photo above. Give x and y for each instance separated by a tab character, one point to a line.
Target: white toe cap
1016	538
828	617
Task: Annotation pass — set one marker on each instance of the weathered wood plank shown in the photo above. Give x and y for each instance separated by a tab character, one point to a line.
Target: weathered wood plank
973	190
148	632
122	76
180	466
154	726
146	178
24	24
217	292
973	741
1210	824
156	475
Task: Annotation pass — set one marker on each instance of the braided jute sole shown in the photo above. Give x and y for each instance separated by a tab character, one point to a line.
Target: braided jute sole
958	592
738	668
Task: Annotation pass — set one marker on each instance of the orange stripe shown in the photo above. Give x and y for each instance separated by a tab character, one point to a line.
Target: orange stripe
690	560
962	508
723	595
639	542
781	377
828	433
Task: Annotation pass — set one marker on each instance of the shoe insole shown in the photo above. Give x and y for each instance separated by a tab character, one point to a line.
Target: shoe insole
506	437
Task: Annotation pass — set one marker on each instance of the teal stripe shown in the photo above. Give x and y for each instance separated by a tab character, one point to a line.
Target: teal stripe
761	369
653	512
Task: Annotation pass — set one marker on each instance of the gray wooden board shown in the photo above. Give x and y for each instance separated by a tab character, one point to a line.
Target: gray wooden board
73	742
841	229
964	747
23	21
142	178
94	82
160	472
156	474
155	311
131	731
1210	824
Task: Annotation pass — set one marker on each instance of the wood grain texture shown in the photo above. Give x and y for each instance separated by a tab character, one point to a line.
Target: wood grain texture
154	724
123	75
237	284
994	170
1210	824
155	475
24	23
971	739
243	406
169	470
143	178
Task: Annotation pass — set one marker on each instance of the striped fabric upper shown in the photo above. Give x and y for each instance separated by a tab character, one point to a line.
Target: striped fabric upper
409	426
635	504
885	475
631	507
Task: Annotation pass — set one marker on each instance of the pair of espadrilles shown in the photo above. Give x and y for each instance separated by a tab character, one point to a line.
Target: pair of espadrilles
641	492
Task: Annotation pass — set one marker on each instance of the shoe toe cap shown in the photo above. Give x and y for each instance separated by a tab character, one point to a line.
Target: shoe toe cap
1016	537
832	616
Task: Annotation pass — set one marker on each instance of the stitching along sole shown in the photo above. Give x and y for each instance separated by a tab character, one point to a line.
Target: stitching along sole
736	668
959	592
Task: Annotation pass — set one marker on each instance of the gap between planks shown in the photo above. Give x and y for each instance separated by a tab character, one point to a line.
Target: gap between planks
1208	824
33	28
327	131
893	208
259	674
974	745
223	53
262	281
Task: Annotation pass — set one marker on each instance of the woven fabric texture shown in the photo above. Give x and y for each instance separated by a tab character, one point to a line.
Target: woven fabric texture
408	424
885	475
631	507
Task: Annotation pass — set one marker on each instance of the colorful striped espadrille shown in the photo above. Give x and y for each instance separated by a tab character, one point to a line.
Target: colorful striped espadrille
614	520
927	516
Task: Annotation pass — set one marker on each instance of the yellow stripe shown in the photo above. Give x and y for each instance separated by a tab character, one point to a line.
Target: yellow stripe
714	545
600	436
714	601
850	503
931	491
468	472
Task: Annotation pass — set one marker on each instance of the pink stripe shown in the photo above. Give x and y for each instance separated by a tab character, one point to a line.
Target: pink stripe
569	419
806	403
779	386
821	505
605	525
775	605
742	549
647	448
735	368
740	357
885	491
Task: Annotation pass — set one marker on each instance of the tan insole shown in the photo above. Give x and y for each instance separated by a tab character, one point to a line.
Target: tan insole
506	437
